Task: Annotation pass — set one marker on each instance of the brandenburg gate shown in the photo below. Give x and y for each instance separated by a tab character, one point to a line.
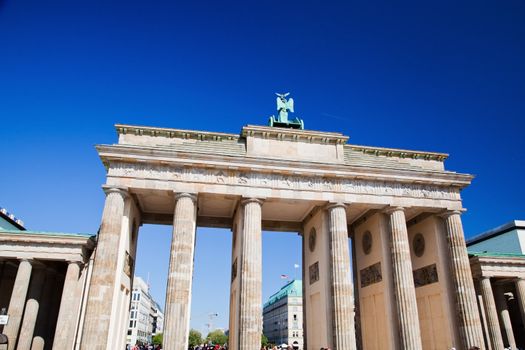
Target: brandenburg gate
405	283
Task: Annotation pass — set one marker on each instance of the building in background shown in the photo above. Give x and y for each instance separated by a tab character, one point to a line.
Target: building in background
158	318
42	277
497	260
145	315
9	222
283	315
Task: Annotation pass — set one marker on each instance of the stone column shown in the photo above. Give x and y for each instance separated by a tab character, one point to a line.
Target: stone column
178	293
343	322
520	295
250	320
491	313
469	323
31	311
503	310
38	343
67	313
100	298
17	302
403	277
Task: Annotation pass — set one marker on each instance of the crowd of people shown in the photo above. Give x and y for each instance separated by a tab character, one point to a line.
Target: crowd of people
209	347
143	347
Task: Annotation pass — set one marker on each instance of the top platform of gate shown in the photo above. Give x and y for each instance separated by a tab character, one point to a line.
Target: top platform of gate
281	144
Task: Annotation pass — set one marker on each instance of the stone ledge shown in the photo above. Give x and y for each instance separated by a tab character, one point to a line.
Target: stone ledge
399	153
284	134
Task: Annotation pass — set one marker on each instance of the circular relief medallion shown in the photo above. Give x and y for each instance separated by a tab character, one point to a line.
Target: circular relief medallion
367	242
312	238
418	244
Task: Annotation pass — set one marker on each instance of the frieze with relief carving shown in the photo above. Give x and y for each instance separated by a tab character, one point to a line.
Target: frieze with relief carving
371	275
278	181
425	275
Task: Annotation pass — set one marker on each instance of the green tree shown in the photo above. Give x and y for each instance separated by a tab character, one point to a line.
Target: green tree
157	339
195	338
264	340
217	337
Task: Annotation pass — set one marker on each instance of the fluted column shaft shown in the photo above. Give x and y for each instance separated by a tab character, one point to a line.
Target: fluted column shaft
250	323
503	310
342	291
178	293
469	322
17	302
405	292
491	313
67	313
100	298
31	311
520	295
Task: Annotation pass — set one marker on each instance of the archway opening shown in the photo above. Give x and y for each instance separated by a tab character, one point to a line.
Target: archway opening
282	288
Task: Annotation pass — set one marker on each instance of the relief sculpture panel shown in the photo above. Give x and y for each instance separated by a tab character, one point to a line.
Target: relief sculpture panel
278	181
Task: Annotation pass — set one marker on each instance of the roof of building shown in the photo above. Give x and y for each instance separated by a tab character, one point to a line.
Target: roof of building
10	218
496	255
509	226
43	233
292	288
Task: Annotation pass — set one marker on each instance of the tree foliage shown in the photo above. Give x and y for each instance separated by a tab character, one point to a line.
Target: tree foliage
195	338
157	339
264	340
217	337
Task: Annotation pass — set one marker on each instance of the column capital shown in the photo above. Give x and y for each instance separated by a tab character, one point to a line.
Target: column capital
247	200
192	196
123	191
79	263
448	213
392	209
332	205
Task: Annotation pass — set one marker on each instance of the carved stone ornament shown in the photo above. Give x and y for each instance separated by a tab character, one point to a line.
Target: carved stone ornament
312	239
371	274
367	242
418	245
425	275
314	272
229	177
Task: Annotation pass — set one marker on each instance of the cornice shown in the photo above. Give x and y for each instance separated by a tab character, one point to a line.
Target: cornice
173	133
399	153
49	238
159	155
284	134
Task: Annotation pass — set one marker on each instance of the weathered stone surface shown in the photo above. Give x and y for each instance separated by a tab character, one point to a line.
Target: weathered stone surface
65	327
31	311
520	295
503	311
17	302
495	337
100	299
342	290
178	293
250	327
469	323
405	293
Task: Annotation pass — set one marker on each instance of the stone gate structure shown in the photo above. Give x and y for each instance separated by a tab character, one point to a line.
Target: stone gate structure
411	286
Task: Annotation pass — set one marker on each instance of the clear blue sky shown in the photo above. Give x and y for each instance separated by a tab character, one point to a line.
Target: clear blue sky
442	76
